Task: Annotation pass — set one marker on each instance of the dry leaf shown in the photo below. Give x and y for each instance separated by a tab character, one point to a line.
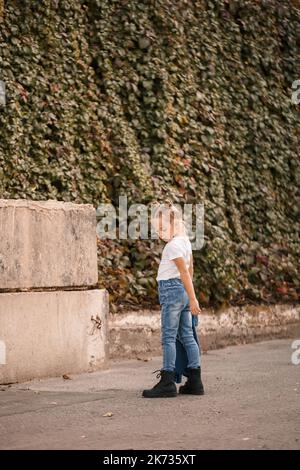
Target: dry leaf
66	377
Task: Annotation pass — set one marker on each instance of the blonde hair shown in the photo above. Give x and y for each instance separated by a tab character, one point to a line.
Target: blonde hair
168	211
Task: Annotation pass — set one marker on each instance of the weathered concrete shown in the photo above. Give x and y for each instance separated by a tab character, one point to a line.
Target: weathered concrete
47	244
251	402
137	333
52	333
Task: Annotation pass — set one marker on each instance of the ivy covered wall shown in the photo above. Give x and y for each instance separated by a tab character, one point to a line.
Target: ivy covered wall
188	99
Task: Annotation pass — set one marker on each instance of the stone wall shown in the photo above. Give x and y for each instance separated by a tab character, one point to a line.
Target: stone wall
52	316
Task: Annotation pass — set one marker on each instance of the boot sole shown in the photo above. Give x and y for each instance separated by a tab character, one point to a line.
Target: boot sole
201	392
165	395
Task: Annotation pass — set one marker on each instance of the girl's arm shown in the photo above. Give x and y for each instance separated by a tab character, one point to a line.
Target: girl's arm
188	284
191	266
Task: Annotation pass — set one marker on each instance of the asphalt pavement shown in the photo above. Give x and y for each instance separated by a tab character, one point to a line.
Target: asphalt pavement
252	401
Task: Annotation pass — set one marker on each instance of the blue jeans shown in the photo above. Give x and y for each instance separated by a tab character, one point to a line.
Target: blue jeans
176	318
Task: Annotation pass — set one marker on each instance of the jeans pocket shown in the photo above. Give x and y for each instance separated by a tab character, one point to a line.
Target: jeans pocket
172	295
163	297
176	294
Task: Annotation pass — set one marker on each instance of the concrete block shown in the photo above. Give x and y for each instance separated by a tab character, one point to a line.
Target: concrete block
46	334
47	244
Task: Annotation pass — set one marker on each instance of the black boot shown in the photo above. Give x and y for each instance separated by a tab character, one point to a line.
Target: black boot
164	388
193	385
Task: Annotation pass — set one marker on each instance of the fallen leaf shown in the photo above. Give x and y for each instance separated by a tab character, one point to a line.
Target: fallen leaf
108	414
66	377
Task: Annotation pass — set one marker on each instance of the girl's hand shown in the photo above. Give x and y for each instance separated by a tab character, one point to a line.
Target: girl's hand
194	307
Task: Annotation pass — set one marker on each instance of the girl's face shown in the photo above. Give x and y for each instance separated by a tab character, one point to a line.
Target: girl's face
163	228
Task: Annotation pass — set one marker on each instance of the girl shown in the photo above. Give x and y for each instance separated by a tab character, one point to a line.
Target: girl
177	300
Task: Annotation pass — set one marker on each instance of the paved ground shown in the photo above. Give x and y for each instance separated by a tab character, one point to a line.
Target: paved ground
252	401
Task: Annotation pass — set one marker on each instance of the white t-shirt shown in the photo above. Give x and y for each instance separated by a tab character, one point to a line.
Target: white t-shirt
178	246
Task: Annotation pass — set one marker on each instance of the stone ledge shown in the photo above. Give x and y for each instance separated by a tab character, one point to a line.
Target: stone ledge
137	333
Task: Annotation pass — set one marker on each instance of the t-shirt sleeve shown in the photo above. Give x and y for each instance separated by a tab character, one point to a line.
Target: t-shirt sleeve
174	250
